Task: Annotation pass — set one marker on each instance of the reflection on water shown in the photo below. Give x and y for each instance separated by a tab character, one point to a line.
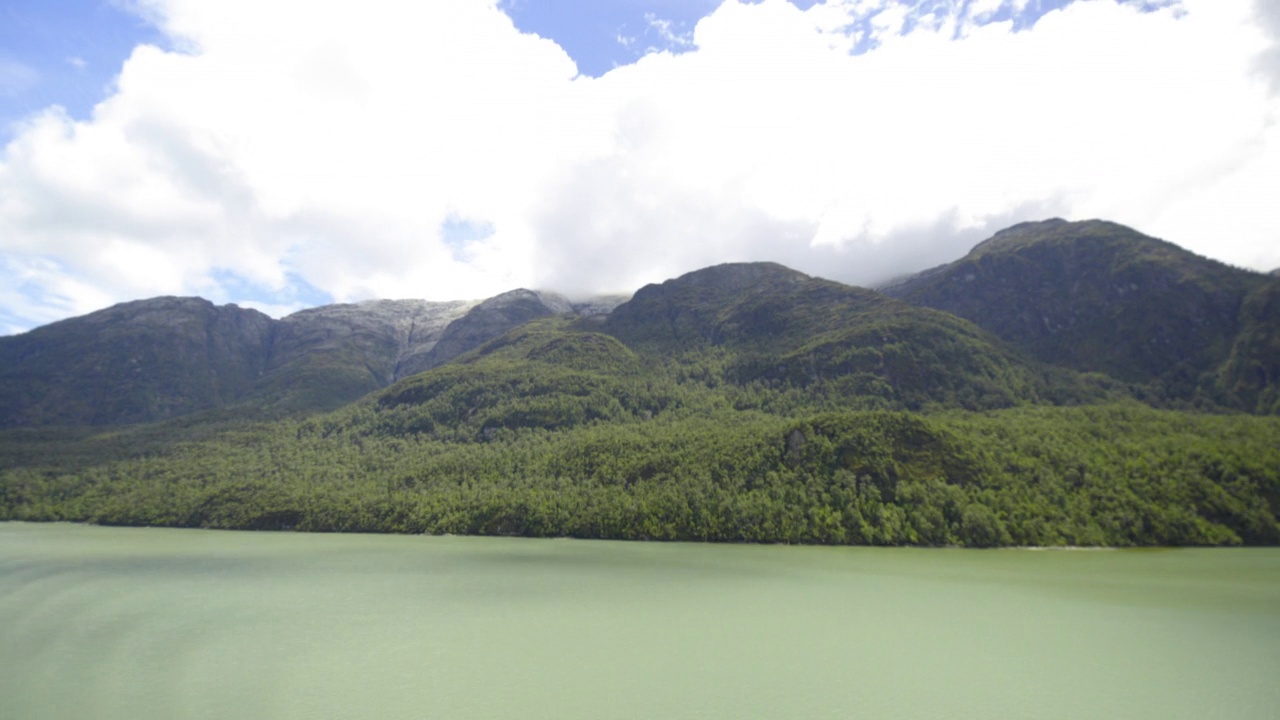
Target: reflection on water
149	623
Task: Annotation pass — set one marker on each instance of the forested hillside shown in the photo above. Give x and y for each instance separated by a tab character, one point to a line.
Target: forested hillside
743	402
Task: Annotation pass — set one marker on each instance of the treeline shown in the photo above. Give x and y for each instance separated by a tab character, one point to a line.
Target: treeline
557	430
1099	475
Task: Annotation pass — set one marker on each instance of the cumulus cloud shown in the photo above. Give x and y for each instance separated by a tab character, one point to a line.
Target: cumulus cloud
286	151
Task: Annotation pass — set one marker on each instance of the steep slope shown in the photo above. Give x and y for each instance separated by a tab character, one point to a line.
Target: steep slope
167	357
485	322
737	403
777	326
1097	296
1251	374
327	356
134	362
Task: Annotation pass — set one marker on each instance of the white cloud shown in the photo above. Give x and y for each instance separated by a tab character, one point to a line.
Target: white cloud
331	143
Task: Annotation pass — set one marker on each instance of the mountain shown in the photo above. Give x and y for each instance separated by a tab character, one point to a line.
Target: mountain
485	322
134	362
741	402
1250	376
167	357
1006	324
1101	297
777	326
324	357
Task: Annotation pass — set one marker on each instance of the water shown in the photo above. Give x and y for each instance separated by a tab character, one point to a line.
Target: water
150	623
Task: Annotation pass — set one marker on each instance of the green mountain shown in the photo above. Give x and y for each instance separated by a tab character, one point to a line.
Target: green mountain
775	327
1097	296
742	402
133	362
168	357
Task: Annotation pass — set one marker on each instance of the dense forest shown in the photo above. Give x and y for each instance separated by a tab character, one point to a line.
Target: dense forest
670	452
743	403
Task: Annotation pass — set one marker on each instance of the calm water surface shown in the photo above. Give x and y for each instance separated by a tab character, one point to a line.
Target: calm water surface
150	623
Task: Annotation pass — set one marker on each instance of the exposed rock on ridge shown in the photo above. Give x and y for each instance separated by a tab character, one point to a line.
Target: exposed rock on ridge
484	322
326	356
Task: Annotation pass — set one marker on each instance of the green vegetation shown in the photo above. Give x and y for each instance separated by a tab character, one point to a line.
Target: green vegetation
558	430
1101	297
1095	396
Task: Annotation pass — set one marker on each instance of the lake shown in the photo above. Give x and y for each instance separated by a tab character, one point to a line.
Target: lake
145	623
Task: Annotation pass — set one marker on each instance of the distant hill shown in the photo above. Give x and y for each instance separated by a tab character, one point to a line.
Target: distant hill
167	357
1097	296
776	326
133	362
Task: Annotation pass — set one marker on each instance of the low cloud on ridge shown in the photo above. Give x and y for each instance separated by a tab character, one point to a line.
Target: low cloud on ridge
327	151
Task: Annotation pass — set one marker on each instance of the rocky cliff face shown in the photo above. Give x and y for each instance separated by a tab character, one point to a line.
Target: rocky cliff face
326	356
389	331
484	322
598	307
161	358
1251	374
133	362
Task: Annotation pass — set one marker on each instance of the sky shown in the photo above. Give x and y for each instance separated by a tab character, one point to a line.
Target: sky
282	154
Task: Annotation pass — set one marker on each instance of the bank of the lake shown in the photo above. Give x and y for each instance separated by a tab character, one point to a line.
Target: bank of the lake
157	623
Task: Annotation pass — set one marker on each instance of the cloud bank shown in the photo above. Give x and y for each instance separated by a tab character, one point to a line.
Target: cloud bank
288	153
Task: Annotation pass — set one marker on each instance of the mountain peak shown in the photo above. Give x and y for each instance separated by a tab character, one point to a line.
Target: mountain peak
1095	296
739	276
1058	231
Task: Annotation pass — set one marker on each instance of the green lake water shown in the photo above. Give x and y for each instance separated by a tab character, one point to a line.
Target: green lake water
149	623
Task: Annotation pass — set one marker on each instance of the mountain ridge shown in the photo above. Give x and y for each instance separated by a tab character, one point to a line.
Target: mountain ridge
1099	297
740	402
153	359
1089	296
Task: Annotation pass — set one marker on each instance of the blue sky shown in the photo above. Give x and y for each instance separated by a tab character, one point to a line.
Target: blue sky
63	52
282	153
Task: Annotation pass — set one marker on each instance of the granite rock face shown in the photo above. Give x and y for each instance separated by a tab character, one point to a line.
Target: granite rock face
600	306
324	357
484	322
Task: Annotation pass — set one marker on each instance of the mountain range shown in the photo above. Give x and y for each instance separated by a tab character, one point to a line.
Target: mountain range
981	403
1091	297
166	357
